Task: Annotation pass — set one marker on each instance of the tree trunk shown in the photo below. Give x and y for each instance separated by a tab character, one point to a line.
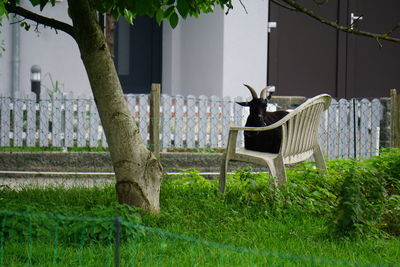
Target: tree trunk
109	32
138	172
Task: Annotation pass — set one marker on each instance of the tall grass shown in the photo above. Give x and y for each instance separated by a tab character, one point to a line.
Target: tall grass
251	224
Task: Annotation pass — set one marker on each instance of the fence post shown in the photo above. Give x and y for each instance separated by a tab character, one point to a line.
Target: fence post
155	119
395	118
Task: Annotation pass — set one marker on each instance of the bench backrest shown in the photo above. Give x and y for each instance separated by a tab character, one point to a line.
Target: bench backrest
300	132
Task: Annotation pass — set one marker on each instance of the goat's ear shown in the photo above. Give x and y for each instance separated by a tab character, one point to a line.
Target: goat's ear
244	104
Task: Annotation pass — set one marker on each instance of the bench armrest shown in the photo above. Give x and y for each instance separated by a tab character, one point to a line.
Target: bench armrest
265	128
323	98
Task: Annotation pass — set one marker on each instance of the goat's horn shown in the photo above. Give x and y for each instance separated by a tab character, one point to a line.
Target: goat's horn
252	91
263	94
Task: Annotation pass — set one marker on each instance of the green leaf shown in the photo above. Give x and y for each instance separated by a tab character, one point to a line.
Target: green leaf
35	2
103	6
115	13
25	25
3	10
169	11
43	4
183	8
173	20
129	16
142	7
159	16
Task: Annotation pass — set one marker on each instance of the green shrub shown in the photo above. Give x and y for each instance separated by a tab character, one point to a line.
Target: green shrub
361	201
90	226
76	218
307	190
360	196
188	178
391	215
189	182
387	165
302	193
249	187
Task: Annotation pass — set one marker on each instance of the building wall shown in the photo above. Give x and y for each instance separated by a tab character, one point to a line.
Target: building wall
216	53
5	59
56	53
245	48
192	56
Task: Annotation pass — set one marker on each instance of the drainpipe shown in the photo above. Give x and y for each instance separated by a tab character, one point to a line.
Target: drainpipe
15	56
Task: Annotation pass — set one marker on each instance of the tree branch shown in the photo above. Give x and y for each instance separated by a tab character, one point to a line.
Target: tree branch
283	5
395	27
53	23
244	7
294	6
17	22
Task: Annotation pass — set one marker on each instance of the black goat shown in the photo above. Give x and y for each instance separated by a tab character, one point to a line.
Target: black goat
266	141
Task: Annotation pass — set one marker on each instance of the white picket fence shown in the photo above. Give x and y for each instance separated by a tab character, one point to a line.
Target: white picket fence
186	122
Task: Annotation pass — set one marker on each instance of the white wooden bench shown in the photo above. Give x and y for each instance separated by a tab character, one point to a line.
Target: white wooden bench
299	141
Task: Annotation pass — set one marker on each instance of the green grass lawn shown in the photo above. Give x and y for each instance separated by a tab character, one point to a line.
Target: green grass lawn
252	224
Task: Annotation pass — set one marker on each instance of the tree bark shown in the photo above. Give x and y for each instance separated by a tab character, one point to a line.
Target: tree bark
109	32
138	172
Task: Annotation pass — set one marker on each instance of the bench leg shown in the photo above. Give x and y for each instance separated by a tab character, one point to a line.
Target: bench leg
319	158
222	174
277	169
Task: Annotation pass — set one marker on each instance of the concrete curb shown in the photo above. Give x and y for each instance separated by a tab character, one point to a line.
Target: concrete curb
98	164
